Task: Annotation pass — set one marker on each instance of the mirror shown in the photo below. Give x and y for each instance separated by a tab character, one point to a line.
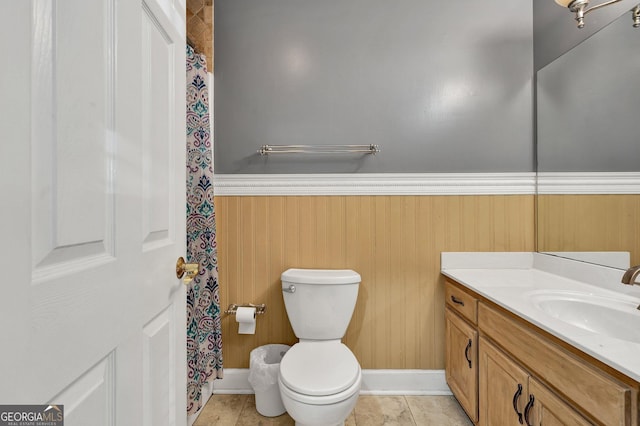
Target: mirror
588	143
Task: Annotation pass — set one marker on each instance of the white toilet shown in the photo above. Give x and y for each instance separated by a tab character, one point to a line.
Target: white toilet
319	377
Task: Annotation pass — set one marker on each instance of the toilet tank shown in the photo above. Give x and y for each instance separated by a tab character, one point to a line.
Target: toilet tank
321	306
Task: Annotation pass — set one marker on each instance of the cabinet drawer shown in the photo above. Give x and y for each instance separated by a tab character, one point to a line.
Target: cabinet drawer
605	399
462	302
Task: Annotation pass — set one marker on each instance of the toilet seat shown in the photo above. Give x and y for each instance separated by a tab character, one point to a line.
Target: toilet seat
320	369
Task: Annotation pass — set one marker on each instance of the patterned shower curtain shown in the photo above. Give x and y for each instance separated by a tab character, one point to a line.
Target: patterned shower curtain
204	333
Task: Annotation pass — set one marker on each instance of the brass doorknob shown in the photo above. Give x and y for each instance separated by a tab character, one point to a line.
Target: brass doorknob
190	269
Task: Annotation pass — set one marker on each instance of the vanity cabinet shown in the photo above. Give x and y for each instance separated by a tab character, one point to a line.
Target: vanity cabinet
525	376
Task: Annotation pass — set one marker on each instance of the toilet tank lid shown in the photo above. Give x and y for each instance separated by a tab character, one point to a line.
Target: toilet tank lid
321	276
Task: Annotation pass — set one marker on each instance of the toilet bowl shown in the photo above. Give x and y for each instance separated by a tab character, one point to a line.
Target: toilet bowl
320	377
319	383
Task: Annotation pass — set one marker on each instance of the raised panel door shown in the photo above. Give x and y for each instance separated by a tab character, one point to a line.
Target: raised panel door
503	388
549	410
461	367
92	316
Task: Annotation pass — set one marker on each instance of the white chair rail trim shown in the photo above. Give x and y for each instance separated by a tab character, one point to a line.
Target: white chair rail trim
427	183
589	183
374	184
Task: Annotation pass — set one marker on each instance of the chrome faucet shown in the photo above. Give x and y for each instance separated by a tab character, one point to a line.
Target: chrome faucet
631	276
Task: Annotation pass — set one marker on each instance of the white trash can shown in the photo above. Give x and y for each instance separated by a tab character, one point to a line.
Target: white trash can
264	367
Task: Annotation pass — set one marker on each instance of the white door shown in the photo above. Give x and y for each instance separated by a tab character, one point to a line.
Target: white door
92	162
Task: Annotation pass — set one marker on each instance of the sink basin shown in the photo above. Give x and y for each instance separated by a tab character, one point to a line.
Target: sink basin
615	317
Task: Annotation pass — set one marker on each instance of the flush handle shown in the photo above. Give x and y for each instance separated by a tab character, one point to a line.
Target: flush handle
291	289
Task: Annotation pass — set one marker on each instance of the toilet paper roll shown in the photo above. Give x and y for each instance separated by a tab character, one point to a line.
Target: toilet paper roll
246	318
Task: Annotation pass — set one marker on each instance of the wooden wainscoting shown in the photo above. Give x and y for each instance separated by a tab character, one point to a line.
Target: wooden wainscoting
394	242
589	223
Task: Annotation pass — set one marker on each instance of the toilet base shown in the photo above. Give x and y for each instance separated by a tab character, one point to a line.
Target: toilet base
320	415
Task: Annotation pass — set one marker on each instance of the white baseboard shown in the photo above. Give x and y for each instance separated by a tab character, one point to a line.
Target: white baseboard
374	382
236	381
404	382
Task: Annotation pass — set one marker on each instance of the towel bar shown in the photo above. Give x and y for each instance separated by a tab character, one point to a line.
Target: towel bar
318	149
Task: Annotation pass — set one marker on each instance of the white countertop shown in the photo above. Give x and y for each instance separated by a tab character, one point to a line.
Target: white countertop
512	280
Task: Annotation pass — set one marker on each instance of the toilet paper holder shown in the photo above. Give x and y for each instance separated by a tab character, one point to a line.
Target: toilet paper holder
232	309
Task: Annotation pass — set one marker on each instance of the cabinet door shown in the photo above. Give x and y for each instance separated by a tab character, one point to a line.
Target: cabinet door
503	388
549	410
461	364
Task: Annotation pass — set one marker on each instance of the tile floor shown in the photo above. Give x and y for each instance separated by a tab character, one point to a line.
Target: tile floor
240	410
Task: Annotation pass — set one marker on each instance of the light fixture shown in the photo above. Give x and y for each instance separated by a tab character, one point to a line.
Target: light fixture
579	7
635	12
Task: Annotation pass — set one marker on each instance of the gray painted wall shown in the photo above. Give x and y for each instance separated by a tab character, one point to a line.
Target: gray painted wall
441	86
555	31
588	105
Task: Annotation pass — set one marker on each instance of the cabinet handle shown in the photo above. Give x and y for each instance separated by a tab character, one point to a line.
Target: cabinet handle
516	397
457	301
466	352
527	410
